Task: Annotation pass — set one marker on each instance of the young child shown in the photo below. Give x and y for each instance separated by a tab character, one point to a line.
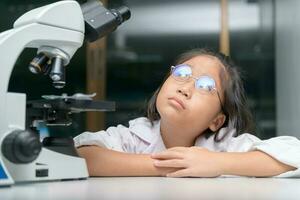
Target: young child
197	125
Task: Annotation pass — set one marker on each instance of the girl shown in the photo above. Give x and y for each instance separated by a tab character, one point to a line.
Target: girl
197	125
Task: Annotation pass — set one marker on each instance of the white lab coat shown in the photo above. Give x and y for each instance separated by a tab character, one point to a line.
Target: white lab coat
143	138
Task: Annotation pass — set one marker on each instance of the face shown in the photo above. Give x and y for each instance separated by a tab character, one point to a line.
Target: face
181	104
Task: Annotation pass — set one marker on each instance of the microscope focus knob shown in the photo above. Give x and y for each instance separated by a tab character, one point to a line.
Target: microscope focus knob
21	146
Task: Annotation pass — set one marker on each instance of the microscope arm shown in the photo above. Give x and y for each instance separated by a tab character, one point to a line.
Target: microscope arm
35	34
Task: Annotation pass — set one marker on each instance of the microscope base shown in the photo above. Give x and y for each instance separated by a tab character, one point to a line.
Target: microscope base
49	165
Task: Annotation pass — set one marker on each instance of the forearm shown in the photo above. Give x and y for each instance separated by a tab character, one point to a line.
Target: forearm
254	163
105	162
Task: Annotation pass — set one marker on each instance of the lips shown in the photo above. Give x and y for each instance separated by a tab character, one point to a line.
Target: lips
178	101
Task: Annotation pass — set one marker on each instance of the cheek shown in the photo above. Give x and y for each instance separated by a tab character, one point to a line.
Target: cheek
160	100
164	92
203	108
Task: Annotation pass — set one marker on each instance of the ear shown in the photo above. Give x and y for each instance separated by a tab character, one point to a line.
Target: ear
217	122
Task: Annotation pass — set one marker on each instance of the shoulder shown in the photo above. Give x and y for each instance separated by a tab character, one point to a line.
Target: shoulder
144	129
144	121
228	140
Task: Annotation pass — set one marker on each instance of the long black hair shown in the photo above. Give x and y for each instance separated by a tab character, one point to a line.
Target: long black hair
236	109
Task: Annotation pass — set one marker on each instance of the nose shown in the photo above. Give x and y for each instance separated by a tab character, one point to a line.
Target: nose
182	92
185	90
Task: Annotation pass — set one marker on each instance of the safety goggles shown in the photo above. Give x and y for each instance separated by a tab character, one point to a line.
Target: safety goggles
204	83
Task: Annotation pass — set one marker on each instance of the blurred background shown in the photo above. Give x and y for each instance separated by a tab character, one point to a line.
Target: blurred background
133	61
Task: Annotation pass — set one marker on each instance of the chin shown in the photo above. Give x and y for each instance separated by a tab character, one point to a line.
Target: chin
170	114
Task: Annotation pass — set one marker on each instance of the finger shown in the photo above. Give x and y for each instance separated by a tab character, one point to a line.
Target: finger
167	155
179	173
174	163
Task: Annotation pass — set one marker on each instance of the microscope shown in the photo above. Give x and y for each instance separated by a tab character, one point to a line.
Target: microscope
57	30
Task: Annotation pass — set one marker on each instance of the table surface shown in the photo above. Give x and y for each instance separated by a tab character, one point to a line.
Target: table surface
157	188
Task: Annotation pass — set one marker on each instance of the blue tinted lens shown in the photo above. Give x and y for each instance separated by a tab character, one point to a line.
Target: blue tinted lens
182	71
205	82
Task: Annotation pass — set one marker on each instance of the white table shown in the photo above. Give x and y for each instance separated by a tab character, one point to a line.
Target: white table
157	188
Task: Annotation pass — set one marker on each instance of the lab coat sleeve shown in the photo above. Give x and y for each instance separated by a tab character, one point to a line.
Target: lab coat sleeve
285	149
115	138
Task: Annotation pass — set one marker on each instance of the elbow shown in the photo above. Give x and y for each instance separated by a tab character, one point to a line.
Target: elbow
92	169
287	168
280	169
88	153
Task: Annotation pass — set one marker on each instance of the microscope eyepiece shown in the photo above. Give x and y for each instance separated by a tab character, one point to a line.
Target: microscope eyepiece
122	14
39	63
57	73
100	21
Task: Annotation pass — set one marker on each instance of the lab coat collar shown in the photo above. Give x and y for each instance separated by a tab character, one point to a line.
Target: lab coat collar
143	128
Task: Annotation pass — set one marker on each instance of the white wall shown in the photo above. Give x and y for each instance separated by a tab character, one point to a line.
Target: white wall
287	41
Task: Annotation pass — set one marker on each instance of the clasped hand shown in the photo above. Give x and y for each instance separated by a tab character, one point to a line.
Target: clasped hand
189	162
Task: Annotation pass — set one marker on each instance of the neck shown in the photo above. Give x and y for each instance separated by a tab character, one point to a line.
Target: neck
173	137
